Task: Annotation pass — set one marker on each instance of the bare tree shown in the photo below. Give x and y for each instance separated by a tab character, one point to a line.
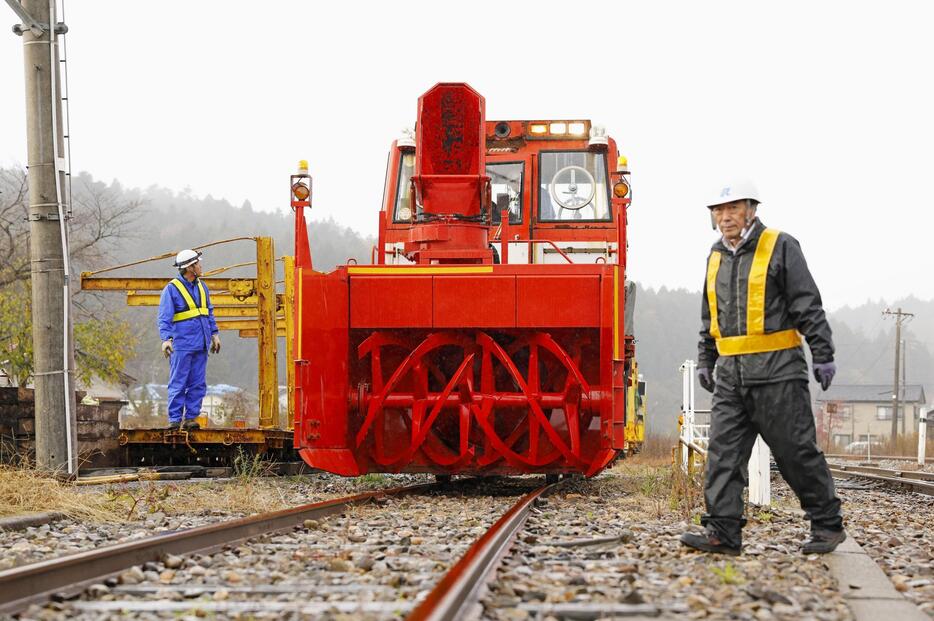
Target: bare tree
101	217
14	252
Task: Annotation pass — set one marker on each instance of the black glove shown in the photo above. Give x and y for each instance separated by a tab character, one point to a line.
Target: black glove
824	372
705	377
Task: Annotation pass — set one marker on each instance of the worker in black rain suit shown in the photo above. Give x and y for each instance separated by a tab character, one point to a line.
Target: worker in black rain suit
759	300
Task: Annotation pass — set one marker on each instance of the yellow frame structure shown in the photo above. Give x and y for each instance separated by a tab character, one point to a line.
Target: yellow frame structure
250	306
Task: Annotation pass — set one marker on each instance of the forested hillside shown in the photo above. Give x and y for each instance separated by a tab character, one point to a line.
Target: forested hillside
667	324
666	320
114	225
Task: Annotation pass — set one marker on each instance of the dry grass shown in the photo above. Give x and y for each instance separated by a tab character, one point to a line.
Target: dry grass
906	445
687	491
660	488
27	491
23	490
656	451
254	496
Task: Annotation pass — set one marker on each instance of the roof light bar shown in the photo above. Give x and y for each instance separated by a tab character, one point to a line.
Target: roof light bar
559	129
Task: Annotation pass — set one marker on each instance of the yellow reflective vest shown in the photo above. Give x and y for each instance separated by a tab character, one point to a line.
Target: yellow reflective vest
756	340
193	311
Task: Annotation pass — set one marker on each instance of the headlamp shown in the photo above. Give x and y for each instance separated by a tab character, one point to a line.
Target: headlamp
300	191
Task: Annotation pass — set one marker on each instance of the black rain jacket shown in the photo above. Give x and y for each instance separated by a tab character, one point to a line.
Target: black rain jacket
791	301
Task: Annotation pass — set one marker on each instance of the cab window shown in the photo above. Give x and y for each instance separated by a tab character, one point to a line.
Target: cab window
403	208
506	180
573	186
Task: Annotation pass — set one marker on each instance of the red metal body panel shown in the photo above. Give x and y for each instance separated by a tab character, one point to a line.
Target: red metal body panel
556	301
390	302
452	363
324	337
472	302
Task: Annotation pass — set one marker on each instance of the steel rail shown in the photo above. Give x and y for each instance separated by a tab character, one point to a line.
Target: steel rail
917	475
454	594
22	586
922	487
854	457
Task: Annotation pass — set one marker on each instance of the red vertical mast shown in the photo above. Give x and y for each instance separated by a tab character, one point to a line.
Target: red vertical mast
301	198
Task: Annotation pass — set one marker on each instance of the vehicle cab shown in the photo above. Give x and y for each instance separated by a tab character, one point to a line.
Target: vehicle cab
562	183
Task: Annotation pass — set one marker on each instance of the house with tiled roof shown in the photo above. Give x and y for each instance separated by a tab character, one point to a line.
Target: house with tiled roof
860	413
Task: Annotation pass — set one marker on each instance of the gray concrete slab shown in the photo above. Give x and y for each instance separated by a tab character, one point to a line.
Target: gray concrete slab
24	521
885	610
866	589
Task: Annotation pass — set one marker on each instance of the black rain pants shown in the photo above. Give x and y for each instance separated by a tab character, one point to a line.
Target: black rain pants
781	413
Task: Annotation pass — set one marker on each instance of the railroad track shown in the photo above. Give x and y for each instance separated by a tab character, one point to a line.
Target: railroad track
64	576
82	577
916	481
458	591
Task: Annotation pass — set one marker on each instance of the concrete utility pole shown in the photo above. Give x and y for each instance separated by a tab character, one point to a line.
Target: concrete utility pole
900	317
53	352
904	382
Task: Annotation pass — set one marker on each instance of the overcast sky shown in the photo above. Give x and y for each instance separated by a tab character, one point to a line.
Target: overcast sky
828	106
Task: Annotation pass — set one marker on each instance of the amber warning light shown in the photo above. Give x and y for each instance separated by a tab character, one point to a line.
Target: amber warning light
300	190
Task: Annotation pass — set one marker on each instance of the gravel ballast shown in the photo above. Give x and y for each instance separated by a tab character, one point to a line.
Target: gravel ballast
600	548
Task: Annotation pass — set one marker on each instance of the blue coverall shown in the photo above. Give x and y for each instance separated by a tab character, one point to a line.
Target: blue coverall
190	341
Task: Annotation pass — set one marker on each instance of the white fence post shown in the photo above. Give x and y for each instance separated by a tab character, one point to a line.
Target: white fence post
687	410
922	435
760	488
760	484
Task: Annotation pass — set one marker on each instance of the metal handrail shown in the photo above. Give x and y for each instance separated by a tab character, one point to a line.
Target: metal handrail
167	255
694	447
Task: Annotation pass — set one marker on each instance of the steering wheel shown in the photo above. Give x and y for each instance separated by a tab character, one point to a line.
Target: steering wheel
573	200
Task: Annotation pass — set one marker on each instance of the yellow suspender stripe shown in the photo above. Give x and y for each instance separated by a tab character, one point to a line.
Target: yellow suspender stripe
193	311
755	304
755	340
713	266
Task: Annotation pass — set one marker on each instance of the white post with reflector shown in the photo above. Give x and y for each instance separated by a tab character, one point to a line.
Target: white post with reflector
922	435
760	484
687	410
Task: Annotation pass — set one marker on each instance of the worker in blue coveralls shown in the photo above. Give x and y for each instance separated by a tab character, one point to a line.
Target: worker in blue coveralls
188	331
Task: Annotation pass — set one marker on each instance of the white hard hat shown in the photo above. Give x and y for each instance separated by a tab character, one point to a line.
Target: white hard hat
737	190
186	257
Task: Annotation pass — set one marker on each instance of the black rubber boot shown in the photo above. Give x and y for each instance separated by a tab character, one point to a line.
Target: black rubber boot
709	541
823	541
190	425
